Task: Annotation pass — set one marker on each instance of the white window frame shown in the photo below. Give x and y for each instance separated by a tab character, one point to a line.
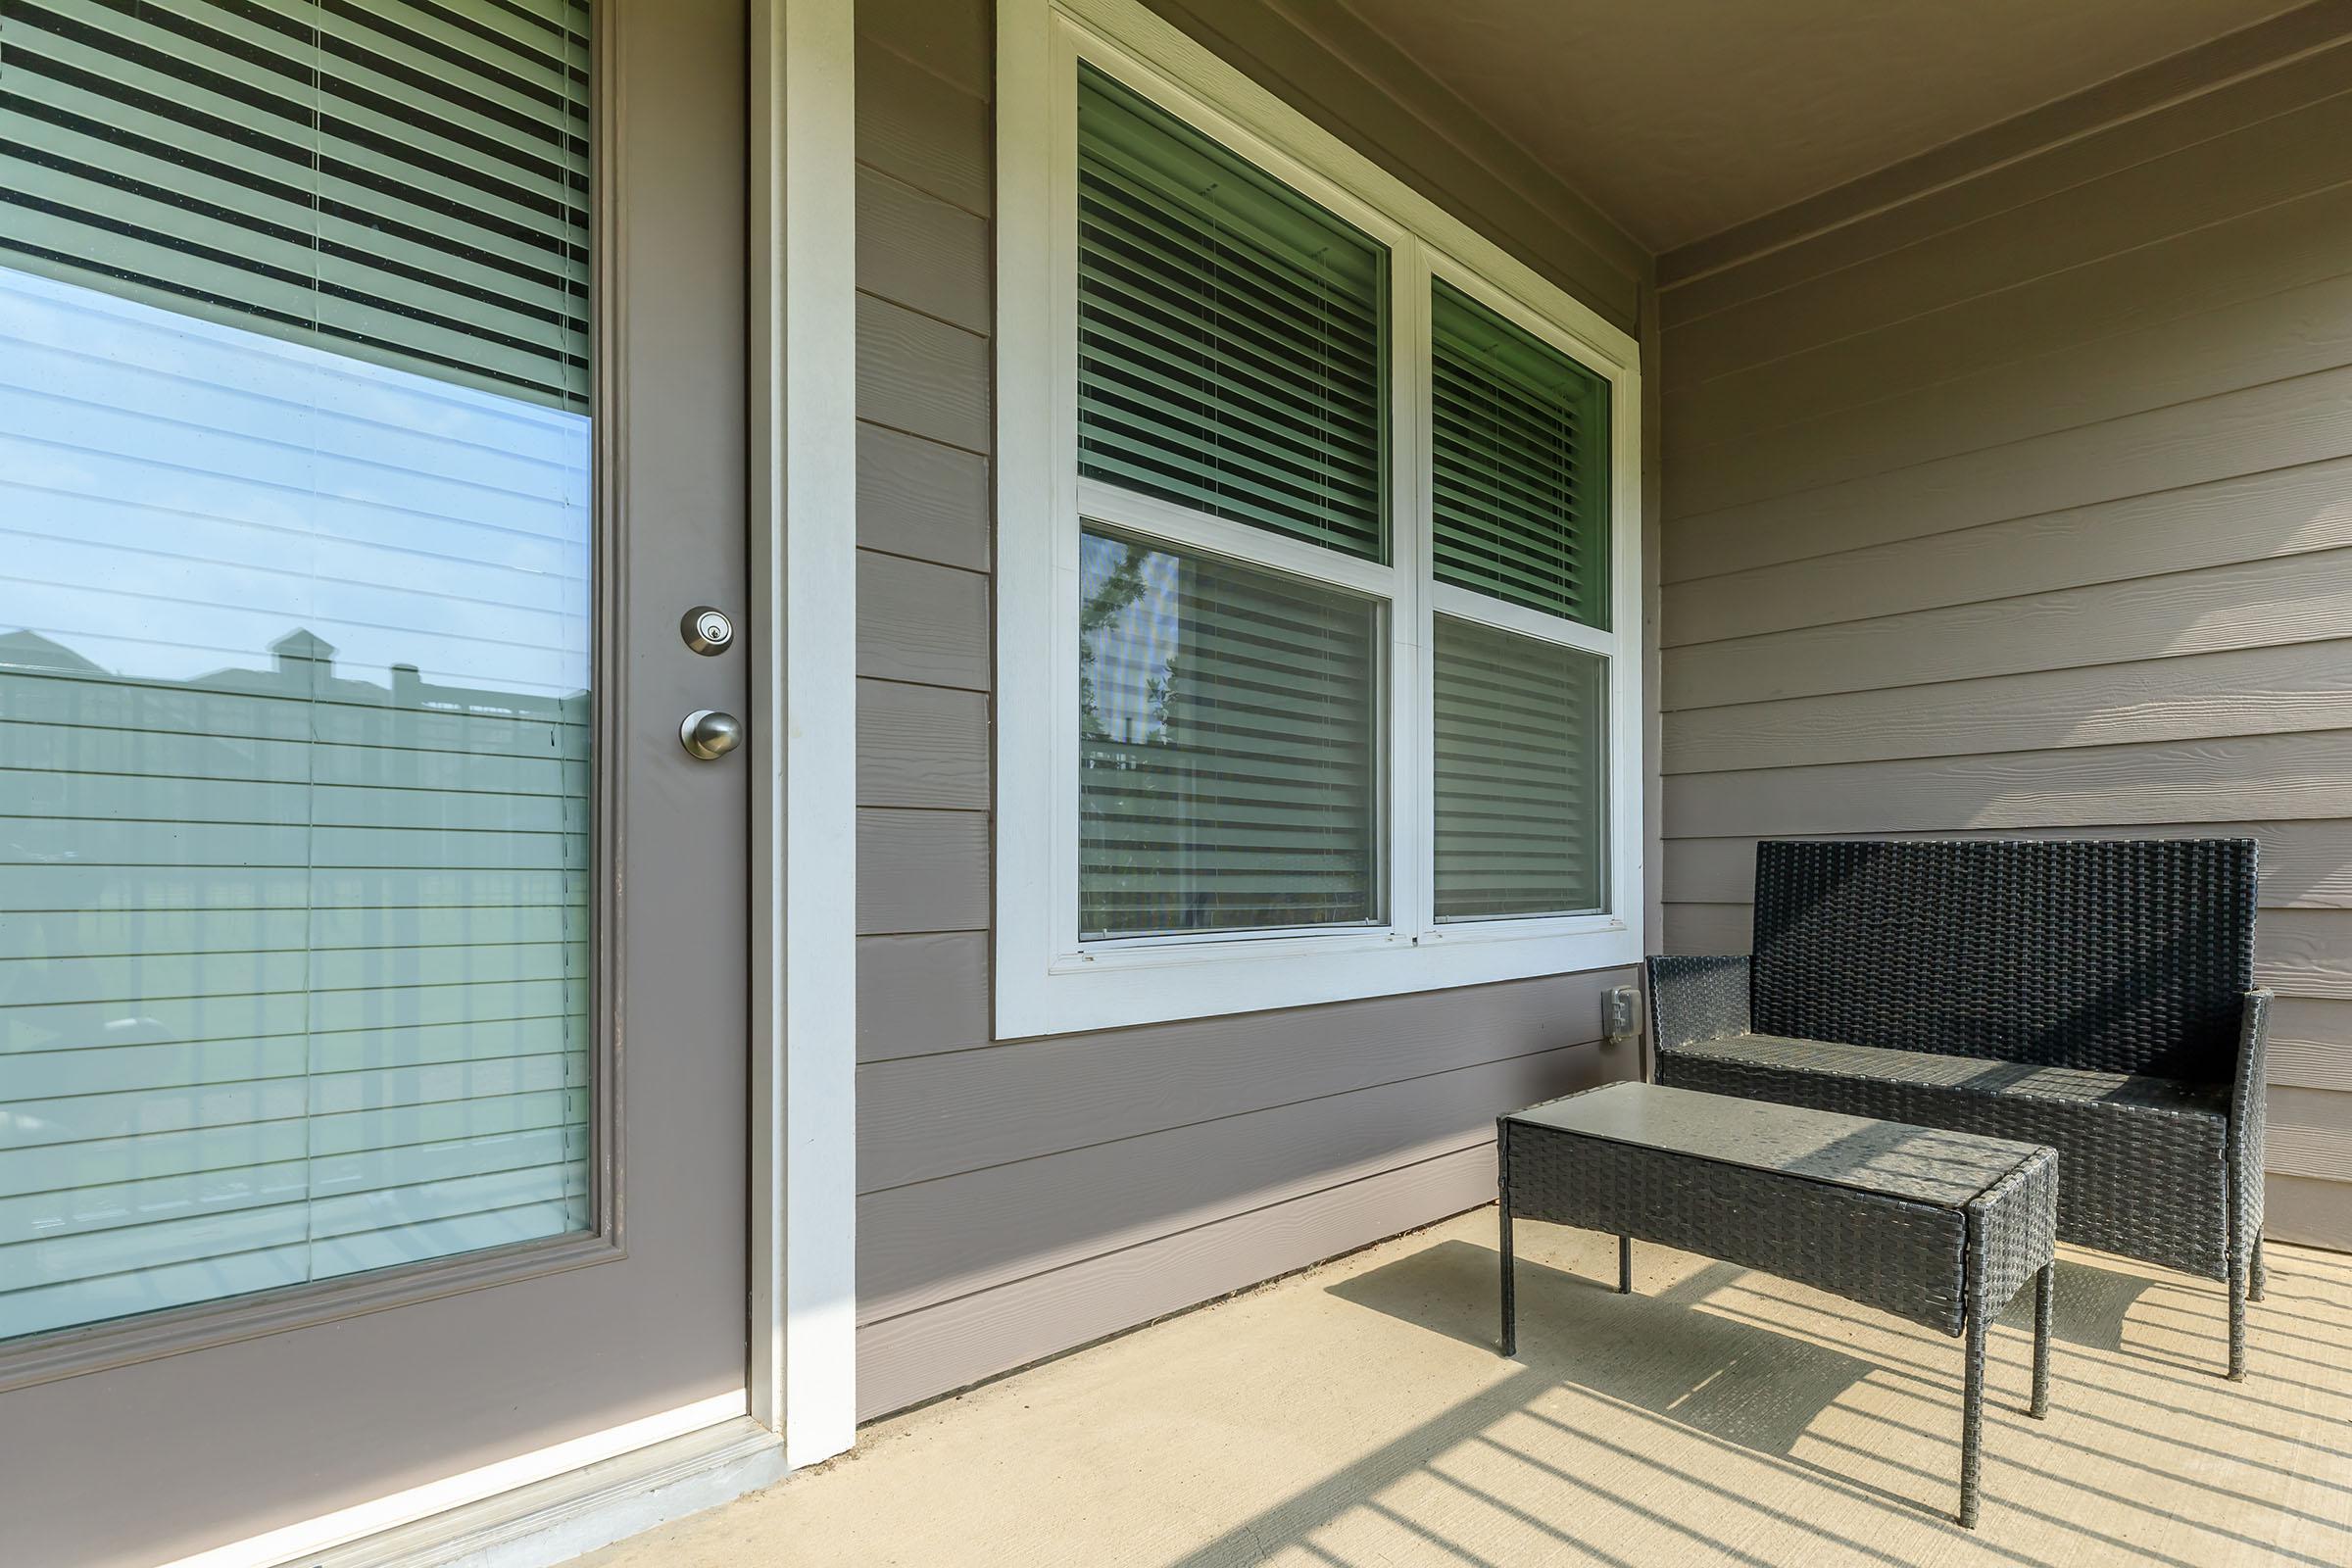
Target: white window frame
1046	980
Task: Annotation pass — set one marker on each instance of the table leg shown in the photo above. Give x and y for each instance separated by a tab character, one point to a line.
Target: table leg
2043	1289
1972	1413
1625	1265
1510	1293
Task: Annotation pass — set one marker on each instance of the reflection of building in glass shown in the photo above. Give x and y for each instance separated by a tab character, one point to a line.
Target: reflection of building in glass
292	977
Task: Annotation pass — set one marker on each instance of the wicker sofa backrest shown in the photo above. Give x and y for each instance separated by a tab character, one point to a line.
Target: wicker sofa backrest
2116	955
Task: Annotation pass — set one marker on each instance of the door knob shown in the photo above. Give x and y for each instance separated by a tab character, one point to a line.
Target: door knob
709	734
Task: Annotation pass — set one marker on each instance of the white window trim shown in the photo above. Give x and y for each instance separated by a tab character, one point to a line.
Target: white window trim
1046	981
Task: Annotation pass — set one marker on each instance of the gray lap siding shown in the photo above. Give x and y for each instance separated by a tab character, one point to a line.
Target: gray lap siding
2019	508
1021	1196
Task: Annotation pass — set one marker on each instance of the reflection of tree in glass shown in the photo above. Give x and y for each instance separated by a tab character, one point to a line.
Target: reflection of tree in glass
1130	828
1112	597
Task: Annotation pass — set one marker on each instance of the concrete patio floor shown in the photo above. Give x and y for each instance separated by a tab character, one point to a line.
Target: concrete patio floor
1357	1414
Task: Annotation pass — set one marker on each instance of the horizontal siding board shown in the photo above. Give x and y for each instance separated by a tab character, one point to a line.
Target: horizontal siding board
922	376
922	746
921	871
2258	604
2290	246
2305	953
952	39
933	1242
1955	173
2203	184
1705	928
2306	419
922	624
1985	191
924	994
2255	691
922	1119
2279	513
2311	1043
2263	778
922	253
922	499
2310	1133
2309	1210
909	1358
922	132
2304	863
2062	385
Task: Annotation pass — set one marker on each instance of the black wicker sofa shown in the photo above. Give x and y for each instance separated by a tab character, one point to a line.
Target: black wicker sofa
2095	995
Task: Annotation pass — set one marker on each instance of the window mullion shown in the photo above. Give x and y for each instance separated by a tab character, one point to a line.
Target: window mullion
1466	603
1137	512
1411	821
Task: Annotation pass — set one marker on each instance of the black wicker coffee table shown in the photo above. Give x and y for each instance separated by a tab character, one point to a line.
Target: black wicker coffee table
1942	1228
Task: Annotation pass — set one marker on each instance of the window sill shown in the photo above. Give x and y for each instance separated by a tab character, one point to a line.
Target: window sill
1118	986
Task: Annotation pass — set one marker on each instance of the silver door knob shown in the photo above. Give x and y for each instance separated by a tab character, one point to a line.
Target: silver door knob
709	734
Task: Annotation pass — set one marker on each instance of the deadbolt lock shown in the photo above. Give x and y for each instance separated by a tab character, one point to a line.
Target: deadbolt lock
706	630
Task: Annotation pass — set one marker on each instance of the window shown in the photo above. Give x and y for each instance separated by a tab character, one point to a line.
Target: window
1316	545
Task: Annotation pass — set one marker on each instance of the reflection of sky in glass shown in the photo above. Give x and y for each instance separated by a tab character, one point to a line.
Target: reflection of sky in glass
176	495
1133	647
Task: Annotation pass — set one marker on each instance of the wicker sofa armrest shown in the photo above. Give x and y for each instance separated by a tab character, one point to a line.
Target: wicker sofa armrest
1694	999
2249	1113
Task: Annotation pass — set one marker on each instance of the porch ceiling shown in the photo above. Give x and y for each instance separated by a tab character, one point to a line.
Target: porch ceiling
1684	117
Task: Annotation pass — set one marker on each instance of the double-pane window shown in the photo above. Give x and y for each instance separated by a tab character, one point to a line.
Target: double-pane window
1314	563
1238	383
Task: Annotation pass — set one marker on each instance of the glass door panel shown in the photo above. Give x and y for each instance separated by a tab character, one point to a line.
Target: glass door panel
296	509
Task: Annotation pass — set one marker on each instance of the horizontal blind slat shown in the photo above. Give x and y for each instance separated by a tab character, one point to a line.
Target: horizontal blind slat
1519	761
1519	464
1229	744
1232	336
300	129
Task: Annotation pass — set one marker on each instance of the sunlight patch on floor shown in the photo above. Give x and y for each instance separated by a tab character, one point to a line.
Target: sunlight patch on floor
1359	1415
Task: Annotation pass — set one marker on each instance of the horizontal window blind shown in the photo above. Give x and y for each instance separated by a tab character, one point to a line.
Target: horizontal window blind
1229	747
1232	335
1521	736
294	770
403	183
1520	463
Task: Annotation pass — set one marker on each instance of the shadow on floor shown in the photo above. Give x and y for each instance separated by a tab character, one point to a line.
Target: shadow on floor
1743	1385
2093	1305
1733	1383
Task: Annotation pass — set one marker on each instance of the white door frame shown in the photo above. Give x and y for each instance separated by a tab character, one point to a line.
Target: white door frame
803	489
